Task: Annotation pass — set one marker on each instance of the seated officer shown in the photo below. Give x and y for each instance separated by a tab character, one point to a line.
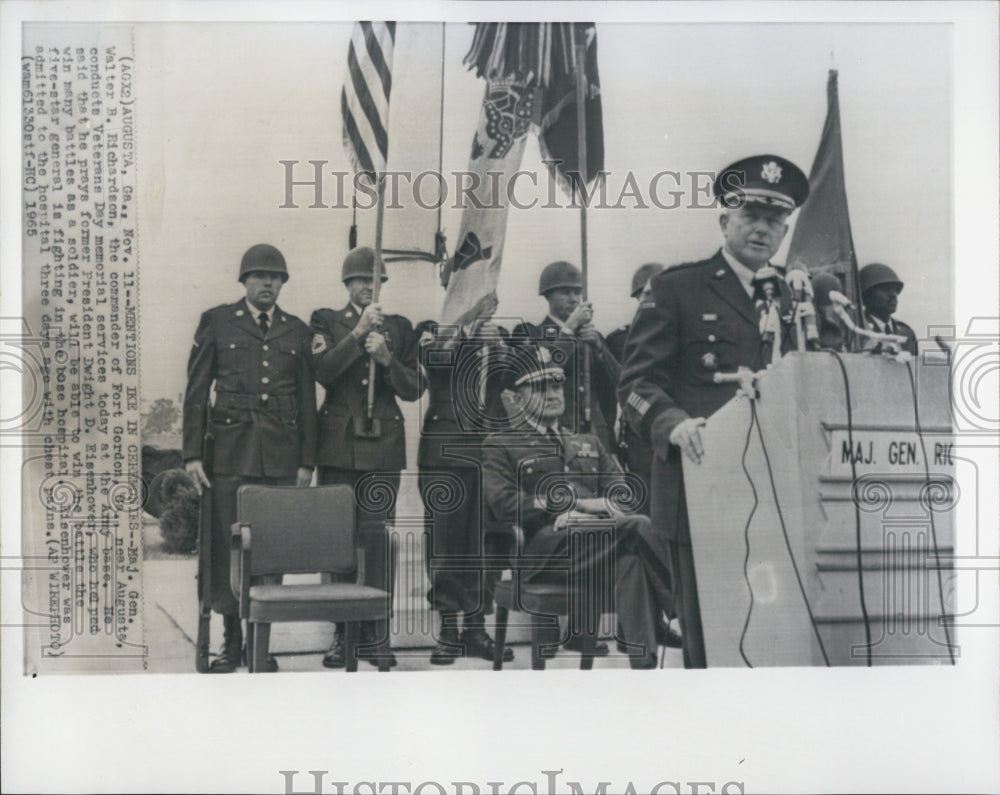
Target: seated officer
550	483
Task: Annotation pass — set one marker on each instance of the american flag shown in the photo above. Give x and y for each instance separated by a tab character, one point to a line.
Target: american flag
364	102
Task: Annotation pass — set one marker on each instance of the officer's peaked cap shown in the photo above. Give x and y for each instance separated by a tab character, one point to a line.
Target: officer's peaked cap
762	179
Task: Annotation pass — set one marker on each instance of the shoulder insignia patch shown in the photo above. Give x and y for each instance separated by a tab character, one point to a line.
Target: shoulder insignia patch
318	344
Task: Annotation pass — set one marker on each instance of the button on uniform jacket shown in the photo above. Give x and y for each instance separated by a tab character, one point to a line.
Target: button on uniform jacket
698	320
526	474
341	366
604	373
264	414
454	417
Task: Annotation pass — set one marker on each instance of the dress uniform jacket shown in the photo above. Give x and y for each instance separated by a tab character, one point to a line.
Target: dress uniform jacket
342	368
524	473
698	321
895	327
456	413
264	416
604	373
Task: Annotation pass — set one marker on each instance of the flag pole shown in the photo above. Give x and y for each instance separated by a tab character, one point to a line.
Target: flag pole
376	289
580	48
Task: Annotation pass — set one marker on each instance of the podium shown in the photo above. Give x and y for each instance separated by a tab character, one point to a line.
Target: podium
786	488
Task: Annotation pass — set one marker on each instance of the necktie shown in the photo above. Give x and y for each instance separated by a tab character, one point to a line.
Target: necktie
262	320
556	438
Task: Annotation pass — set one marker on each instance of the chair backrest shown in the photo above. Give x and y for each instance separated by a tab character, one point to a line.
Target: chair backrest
298	530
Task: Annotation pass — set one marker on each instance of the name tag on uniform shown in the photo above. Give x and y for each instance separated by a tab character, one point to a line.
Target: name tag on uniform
710	317
586	451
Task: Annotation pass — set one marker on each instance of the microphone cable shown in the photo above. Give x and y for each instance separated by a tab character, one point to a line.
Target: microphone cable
857	510
930	511
784	533
746	533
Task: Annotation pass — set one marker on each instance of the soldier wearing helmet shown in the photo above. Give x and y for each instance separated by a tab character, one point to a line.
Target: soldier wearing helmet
880	289
567	330
263	419
350	447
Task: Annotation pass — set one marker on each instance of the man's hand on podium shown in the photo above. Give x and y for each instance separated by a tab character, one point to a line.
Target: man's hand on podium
687	437
684	435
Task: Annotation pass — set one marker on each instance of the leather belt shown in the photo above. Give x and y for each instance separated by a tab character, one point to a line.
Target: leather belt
248	402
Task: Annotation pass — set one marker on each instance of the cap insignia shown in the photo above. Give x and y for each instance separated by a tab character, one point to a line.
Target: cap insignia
771	172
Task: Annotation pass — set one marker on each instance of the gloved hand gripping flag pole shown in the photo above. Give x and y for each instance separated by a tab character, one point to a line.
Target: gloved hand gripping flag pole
364	104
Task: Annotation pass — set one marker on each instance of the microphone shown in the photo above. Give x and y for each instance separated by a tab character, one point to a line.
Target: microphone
805	312
840	299
765	284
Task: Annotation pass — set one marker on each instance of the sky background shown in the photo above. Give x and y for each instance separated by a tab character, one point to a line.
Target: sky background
219	105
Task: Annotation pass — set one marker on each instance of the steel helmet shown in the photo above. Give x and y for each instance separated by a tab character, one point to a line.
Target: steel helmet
876	274
559	274
642	275
360	262
263	258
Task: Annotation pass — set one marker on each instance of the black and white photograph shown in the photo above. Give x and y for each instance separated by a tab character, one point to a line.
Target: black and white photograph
620	379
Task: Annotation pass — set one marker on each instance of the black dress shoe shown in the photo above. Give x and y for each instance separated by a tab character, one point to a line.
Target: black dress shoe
270	664
575	643
335	657
478	643
231	656
448	647
227	662
645	663
371	654
666	636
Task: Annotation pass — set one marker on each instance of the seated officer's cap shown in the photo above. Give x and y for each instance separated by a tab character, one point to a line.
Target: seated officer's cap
762	179
529	364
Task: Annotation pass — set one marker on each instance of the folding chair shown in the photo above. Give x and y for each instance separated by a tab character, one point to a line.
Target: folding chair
290	530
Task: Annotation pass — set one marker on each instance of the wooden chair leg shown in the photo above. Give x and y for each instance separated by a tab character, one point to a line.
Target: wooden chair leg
541	635
587	646
352	634
382	633
261	639
500	630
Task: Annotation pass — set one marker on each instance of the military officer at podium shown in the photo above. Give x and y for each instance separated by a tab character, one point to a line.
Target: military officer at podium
880	289
547	482
365	453
568	330
700	319
263	419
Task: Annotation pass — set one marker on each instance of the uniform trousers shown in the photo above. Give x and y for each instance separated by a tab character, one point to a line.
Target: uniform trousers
456	542
375	506
627	548
223	491
681	556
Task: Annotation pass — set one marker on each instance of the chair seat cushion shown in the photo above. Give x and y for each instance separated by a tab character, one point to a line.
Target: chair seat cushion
545	598
337	601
